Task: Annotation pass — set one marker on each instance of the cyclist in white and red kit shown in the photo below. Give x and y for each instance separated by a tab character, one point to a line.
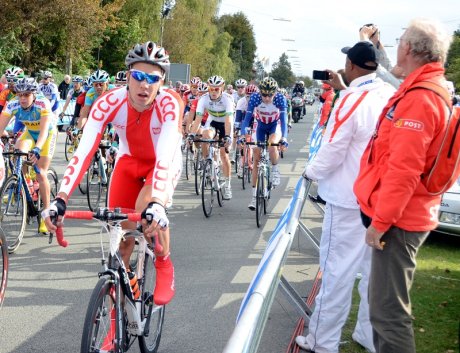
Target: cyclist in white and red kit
148	121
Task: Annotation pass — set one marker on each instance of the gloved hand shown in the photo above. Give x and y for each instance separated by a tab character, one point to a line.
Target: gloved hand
61	115
35	152
111	153
54	213
241	140
191	137
155	212
227	140
284	143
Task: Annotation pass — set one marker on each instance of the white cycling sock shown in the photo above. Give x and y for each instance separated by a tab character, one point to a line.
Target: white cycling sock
274	167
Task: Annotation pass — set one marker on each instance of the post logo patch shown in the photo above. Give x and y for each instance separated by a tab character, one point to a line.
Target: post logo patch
409	124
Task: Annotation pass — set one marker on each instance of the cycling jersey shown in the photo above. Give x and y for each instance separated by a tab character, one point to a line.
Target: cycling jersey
30	117
236	97
193	107
150	139
91	95
5	96
74	94
266	113
218	109
241	108
51	92
188	99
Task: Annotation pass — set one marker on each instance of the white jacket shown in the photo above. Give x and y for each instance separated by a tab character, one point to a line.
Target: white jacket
336	165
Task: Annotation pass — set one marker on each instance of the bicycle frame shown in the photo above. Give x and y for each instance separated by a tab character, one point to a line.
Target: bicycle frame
214	156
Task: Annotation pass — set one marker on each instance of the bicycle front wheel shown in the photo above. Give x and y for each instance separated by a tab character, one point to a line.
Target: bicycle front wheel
93	185
13	212
3	265
207	189
69	148
260	200
150	340
100	327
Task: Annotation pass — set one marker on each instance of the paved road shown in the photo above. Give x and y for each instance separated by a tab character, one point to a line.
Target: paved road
215	259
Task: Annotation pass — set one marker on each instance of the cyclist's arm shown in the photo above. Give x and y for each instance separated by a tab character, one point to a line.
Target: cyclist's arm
247	118
83	116
66	104
4	121
166	150
45	121
200	109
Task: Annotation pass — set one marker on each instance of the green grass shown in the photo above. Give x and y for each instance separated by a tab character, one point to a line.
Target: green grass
435	299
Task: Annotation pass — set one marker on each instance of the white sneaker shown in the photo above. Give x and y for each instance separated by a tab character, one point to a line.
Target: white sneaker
276	177
252	204
227	193
302	343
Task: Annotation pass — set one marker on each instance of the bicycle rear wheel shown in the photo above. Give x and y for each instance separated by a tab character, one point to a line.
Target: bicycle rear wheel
13	212
207	189
68	148
100	327
3	265
260	199
93	185
188	162
198	167
150	340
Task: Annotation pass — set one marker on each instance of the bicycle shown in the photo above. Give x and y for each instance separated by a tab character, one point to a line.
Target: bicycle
198	167
98	176
115	318
3	265
246	168
21	202
211	181
71	141
264	182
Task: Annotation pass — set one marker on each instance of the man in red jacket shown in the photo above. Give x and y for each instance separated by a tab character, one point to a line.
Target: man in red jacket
396	207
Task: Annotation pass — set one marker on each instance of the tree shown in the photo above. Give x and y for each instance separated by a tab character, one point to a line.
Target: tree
282	72
306	79
243	45
453	61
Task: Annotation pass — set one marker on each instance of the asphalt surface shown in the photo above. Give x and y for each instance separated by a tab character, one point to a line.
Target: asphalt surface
49	287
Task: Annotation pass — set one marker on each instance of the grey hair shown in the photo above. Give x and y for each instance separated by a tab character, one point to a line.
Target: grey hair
428	40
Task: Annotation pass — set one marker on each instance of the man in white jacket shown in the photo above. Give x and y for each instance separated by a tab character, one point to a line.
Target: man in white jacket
343	251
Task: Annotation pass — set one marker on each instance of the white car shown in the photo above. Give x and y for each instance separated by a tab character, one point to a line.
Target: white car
449	215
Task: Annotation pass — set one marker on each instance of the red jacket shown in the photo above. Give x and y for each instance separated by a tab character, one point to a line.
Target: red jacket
408	137
328	97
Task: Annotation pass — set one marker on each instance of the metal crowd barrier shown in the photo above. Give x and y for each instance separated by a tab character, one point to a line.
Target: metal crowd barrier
257	302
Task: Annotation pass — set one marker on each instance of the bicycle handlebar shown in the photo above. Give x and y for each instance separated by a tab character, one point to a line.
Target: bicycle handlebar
261	144
102	214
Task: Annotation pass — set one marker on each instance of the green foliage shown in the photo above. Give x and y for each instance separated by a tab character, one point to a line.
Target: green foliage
243	45
453	61
306	79
282	72
70	36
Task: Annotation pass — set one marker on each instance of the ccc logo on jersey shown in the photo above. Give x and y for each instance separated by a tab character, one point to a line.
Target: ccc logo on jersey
168	109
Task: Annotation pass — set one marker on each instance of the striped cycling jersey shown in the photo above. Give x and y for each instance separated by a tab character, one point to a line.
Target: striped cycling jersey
152	136
217	109
31	117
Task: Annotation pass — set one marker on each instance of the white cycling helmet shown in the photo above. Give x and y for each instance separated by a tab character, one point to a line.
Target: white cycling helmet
202	87
14	72
47	74
148	52
215	81
26	84
99	76
241	82
120	76
195	80
77	79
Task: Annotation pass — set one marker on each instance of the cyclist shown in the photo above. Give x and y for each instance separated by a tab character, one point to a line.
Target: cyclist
241	108
100	85
191	94
12	75
269	107
49	89
219	106
240	84
147	120
72	96
33	110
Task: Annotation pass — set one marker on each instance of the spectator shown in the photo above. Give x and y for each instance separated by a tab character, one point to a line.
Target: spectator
64	87
385	71
402	150
326	98
343	251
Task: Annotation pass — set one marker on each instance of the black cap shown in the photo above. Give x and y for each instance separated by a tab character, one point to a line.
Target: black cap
362	53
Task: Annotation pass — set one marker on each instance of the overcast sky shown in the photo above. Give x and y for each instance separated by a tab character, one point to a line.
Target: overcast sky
321	28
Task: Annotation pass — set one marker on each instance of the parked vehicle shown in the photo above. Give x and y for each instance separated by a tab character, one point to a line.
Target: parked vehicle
449	215
310	99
